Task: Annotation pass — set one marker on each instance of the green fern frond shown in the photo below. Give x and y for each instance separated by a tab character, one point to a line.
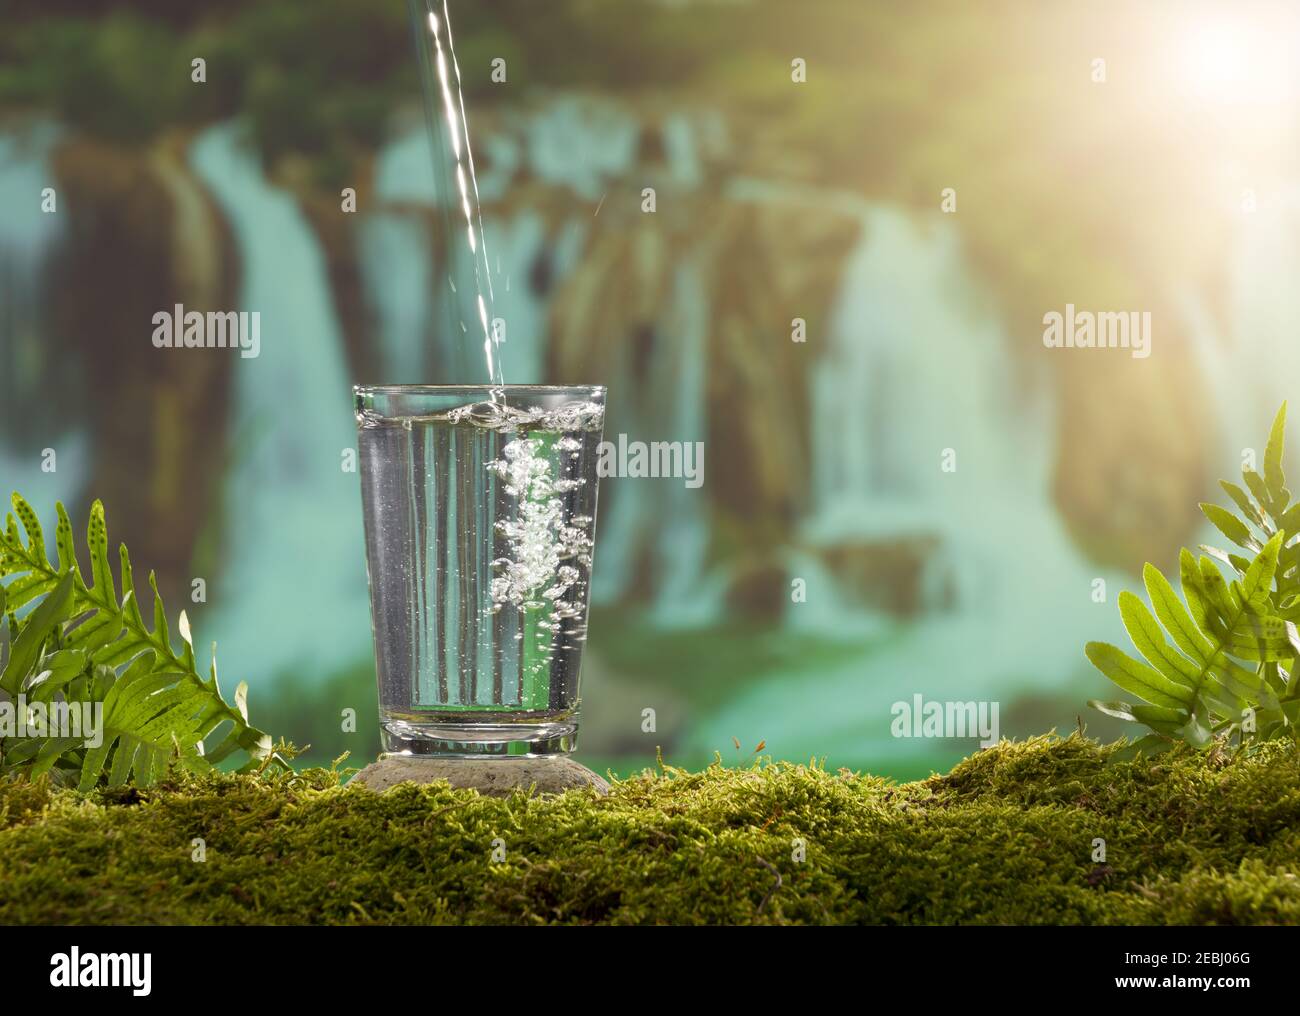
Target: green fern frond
1232	665
81	643
1263	509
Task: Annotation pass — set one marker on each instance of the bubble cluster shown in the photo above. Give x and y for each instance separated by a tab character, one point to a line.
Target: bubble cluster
548	552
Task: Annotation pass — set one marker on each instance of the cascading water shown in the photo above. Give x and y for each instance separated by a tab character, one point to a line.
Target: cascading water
906	376
685	595
664	400
396	268
912	368
293	597
29	235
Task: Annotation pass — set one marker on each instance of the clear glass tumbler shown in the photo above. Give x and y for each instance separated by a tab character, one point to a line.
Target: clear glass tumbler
480	512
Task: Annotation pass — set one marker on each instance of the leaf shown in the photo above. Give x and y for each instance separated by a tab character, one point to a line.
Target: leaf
50	752
1258	489
1242	500
1258	581
1197	731
1273	475
1119	710
156	705
1156	717
1235	641
1222	601
1238	562
32	527
29	588
63	541
1174	616
1135	677
61	669
1147	635
1290	520
149	717
1230	526
52	612
100	572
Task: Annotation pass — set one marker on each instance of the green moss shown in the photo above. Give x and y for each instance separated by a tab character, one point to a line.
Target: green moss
1006	837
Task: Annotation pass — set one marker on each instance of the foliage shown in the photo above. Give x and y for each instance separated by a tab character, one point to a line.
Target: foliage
1234	666
81	648
1007	837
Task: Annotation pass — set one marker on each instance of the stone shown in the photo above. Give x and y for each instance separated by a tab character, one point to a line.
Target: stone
498	777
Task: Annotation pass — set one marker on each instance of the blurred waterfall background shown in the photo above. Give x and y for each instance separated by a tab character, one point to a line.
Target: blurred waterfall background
840	292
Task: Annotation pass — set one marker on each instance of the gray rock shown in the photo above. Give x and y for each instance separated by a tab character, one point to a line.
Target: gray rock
497	777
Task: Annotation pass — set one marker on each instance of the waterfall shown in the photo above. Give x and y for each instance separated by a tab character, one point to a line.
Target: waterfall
396	269
28	371
912	368
914	365
581	144
667	403
291	597
686	594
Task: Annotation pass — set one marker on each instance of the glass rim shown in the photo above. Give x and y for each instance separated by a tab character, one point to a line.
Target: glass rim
465	389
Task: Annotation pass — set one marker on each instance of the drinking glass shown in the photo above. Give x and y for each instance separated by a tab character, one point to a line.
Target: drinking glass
480	509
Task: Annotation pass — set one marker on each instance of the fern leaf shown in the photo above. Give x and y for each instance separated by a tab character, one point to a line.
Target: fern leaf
146	716
29	588
1290	520
52	612
1230	526
156	706
1235	642
1273	475
1174	616
1148	636
32	527
1136	677
1247	507
1198	730
1165	721
1259	490
1258	581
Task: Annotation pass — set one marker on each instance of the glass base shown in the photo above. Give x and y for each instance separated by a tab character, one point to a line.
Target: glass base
479	740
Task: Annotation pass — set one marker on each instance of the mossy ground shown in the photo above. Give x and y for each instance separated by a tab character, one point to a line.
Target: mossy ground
1005	837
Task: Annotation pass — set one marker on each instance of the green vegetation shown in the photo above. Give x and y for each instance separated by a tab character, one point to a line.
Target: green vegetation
1008	836
1235	669
89	657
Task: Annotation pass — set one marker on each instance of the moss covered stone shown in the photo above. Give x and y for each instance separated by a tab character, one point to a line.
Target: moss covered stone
1007	837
